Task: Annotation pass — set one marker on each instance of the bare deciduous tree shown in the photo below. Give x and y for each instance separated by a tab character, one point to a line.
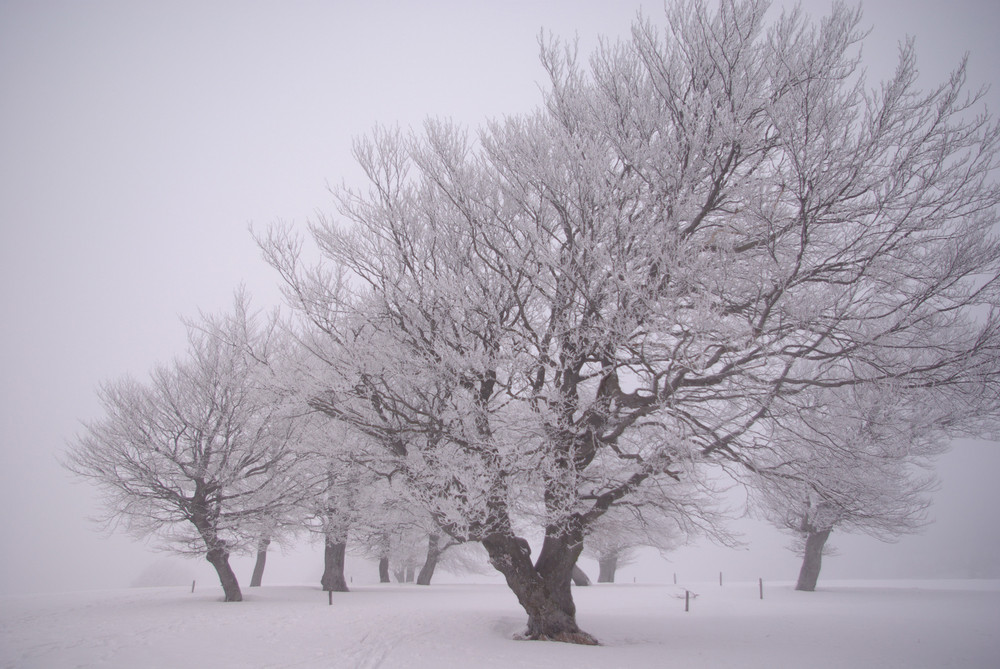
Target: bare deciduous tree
857	459
612	540
199	456
653	270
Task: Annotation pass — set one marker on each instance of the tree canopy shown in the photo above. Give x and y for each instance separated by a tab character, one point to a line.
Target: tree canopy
668	262
710	244
202	456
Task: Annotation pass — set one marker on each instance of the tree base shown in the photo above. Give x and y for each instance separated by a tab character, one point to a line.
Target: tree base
219	558
581	638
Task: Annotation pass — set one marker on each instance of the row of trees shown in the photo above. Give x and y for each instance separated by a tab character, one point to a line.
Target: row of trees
213	457
715	249
208	457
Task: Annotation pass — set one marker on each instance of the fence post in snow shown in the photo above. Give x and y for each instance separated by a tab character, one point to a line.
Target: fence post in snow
330	593
761	580
192	587
687	601
720	578
675	578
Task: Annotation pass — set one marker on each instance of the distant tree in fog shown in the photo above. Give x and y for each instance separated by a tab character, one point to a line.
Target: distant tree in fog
614	539
611	549
398	533
334	513
860	460
202	455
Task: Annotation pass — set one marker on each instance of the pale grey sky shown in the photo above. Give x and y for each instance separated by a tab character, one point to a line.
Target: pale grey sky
139	139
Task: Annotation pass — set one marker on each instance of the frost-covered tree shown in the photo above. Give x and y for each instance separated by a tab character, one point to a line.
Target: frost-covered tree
394	530
281	529
199	456
578	308
384	515
675	518
613	539
612	545
334	512
337	503
858	459
286	522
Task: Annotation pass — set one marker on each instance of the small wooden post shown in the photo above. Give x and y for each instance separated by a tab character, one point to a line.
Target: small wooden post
720	578
192	587
675	578
330	596
687	601
761	581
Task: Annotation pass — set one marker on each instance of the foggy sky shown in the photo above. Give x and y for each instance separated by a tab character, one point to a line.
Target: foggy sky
139	139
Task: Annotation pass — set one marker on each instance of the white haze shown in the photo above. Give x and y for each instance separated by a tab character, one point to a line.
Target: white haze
139	140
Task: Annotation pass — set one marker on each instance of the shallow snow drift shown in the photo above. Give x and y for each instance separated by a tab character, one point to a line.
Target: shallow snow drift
847	624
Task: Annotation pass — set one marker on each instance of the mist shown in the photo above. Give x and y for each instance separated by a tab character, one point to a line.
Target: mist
138	141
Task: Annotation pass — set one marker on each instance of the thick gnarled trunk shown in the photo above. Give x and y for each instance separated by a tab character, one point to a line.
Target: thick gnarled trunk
218	551
608	566
430	563
812	561
333	566
543	589
383	570
219	558
258	568
580	577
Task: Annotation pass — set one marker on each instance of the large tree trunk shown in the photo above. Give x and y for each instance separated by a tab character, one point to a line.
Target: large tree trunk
433	553
218	553
219	558
333	566
579	576
608	565
383	570
258	568
543	589
812	561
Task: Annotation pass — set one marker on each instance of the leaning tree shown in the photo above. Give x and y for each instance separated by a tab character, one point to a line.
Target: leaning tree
200	456
580	306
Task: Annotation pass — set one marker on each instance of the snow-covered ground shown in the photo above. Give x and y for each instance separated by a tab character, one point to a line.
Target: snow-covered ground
845	624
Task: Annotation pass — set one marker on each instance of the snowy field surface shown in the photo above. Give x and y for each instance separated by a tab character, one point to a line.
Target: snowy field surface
845	624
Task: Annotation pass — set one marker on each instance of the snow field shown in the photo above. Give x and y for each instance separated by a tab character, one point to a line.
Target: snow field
846	624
